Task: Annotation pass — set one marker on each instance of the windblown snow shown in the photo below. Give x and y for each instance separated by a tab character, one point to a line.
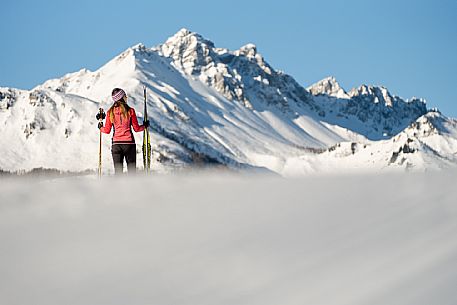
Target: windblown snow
222	239
211	105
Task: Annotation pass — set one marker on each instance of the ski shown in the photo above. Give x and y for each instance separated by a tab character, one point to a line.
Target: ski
146	139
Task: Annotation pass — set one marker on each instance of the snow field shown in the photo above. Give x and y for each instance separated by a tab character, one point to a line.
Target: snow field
215	238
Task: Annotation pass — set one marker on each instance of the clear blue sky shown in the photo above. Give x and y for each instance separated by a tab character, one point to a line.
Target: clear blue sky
408	46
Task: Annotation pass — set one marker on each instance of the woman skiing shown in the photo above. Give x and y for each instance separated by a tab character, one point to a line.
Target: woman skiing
122	117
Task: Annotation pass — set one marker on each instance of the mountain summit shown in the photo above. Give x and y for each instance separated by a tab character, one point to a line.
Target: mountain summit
328	86
211	105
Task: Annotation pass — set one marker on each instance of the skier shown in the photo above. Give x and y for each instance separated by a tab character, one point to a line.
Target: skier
122	117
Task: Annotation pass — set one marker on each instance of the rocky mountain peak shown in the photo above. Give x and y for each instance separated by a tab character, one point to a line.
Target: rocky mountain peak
248	50
328	86
376	94
183	43
190	51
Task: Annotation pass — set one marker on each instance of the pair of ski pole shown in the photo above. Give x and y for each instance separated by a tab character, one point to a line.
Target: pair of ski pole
100	116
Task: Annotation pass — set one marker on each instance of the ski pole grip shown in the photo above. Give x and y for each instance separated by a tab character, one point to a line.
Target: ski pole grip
101	114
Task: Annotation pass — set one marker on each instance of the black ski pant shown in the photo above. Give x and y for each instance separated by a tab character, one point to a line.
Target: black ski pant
121	151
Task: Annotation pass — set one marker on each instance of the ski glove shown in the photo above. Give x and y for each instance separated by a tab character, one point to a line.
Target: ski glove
102	116
146	123
100	125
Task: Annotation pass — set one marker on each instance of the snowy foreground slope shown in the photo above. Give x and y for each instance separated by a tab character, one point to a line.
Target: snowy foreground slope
218	239
212	105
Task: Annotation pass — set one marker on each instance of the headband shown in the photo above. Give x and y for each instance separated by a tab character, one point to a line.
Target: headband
119	95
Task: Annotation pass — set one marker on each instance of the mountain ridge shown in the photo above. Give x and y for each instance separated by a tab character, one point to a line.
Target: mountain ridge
210	104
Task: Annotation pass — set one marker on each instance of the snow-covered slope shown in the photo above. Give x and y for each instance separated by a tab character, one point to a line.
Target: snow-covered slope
358	240
206	104
429	143
42	128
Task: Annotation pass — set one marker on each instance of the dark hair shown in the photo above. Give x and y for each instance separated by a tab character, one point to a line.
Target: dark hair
115	90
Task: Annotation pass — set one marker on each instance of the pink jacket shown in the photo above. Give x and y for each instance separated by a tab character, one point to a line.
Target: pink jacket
122	131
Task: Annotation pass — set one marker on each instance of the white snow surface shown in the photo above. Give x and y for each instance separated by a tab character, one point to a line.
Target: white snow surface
224	239
223	107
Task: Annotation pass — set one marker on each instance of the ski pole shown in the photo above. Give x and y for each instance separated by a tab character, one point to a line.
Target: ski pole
100	117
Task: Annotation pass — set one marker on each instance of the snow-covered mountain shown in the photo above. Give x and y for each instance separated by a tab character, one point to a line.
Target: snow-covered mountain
428	143
213	105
